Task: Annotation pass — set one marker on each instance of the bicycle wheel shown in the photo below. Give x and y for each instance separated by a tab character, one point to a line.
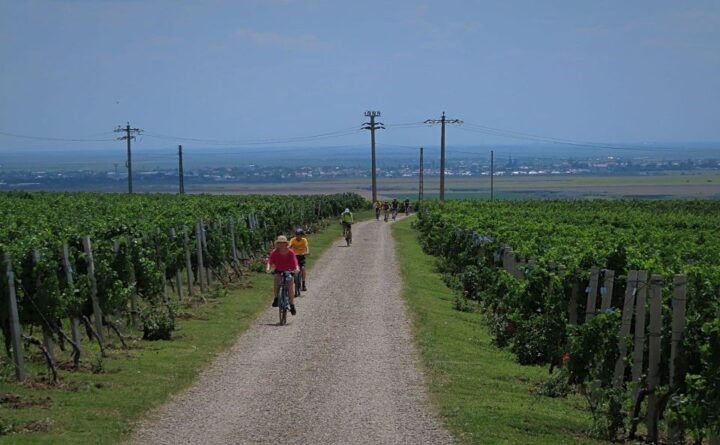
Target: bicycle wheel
298	283
283	306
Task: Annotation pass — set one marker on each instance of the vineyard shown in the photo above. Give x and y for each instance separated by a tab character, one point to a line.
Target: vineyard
620	299
102	263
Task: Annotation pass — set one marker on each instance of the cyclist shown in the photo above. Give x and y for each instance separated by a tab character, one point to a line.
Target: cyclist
378	206
407	206
282	259
395	205
346	219
299	245
386	209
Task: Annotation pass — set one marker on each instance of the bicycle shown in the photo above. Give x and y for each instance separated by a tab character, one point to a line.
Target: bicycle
394	214
386	215
347	233
283	297
298	280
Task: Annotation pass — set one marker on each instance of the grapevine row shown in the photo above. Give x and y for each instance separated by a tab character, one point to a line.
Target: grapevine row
524	264
103	261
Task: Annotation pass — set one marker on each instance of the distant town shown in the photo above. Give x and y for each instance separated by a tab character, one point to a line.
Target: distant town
252	173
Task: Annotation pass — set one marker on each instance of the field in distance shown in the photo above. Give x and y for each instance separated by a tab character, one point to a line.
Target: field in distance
660	186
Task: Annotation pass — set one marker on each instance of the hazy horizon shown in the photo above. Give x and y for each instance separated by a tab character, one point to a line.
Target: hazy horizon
356	155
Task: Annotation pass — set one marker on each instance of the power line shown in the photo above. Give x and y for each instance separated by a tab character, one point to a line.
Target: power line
476	128
181	173
43	138
421	178
492	175
442	121
409	147
407	125
129	136
269	141
373	126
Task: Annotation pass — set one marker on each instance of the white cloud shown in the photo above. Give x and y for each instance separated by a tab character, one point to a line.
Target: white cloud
436	33
269	39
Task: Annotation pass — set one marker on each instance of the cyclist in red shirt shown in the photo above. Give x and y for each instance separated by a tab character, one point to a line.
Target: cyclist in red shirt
283	259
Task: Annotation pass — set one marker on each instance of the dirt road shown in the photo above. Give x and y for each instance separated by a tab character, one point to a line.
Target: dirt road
343	371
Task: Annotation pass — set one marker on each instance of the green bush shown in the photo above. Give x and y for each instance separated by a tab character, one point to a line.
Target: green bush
158	321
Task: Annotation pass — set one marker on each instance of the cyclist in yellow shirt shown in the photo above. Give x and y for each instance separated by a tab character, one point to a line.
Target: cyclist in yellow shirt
346	219
378	206
299	244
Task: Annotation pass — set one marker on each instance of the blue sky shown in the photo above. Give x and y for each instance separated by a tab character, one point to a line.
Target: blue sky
611	71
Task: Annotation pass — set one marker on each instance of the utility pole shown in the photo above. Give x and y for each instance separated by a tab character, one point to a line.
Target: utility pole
180	170
421	173
129	136
492	175
442	121
372	126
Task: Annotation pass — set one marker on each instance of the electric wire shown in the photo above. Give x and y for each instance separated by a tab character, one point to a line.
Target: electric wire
43	138
476	128
266	141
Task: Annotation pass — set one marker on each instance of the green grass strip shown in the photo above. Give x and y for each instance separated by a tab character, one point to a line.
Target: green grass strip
102	407
482	394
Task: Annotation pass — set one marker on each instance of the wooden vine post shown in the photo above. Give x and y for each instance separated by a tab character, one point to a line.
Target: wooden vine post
159	261
15	336
572	306
97	312
47	333
606	291
592	294
201	265
188	263
510	263
627	314
506	261
74	321
236	263
654	340
133	286
178	273
244	254
677	362
639	344
204	246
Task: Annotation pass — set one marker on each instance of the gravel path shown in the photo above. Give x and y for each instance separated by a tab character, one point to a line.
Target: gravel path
343	371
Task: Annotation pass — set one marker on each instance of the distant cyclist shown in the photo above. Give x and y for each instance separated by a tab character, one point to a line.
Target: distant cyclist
299	244
378	206
282	259
346	219
395	206
386	209
407	206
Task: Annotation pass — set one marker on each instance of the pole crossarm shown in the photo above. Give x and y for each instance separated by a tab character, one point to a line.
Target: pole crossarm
442	121
129	136
129	132
373	126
